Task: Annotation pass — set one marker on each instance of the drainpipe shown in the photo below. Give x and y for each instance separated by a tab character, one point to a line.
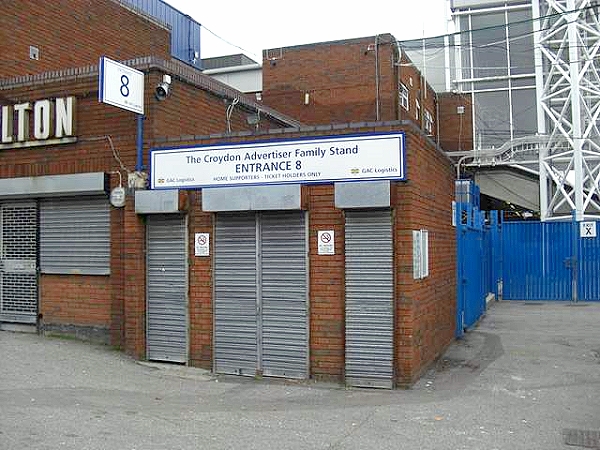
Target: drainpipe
377	78
139	164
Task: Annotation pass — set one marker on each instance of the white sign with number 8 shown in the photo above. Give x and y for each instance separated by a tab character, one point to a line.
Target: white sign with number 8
121	86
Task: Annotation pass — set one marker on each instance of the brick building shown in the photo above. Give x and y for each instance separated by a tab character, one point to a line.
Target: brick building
326	275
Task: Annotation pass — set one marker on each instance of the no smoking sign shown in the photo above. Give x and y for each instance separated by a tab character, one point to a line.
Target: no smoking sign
326	242
201	244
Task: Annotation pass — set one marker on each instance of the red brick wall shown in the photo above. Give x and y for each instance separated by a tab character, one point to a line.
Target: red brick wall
201	287
190	111
84	300
456	130
74	33
340	80
426	308
80	300
326	286
418	91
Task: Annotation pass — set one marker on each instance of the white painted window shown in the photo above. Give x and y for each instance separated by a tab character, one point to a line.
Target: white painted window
404	97
417	109
428	122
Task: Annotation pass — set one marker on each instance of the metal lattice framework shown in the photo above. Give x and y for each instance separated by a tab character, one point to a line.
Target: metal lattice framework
568	85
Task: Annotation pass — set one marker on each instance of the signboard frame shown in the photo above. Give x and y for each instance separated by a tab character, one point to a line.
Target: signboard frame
395	158
114	91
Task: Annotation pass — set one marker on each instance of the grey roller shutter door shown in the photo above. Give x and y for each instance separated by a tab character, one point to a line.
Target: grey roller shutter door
283	291
75	236
369	298
167	317
235	294
18	262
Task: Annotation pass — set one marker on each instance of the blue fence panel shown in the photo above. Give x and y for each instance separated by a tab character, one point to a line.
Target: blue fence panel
589	267
536	260
475	270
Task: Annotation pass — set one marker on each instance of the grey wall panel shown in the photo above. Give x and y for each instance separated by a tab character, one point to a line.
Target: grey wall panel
369	299
166	280
54	185
75	236
362	194
284	294
235	294
252	198
157	202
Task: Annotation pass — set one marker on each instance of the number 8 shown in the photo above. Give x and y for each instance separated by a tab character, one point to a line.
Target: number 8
124	83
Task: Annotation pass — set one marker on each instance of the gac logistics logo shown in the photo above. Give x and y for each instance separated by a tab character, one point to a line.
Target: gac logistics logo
312	160
43	122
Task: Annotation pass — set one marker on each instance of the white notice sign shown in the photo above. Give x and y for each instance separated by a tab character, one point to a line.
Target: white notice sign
326	242
316	160
201	244
121	86
587	229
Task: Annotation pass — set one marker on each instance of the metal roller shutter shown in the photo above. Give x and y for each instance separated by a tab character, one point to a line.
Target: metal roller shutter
261	318
75	236
18	263
369	298
235	294
167	318
283	291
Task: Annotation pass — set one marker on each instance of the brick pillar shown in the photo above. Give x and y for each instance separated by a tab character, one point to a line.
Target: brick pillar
201	288
117	277
326	287
134	272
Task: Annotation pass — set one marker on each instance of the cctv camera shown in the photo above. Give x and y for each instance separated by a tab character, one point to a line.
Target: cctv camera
163	88
162	91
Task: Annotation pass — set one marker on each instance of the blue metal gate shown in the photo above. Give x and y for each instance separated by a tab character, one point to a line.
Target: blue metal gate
520	260
477	258
549	261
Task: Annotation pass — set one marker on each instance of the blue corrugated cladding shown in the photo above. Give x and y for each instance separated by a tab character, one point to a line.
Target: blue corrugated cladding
539	260
589	268
185	32
536	260
476	265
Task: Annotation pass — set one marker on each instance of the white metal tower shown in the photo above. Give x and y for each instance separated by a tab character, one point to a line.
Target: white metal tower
567	46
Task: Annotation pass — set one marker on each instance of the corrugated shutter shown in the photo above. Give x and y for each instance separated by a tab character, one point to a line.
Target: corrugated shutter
369	298
75	236
18	259
283	292
235	294
261	306
167	321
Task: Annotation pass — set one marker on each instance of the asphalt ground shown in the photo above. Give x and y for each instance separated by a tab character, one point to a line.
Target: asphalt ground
527	377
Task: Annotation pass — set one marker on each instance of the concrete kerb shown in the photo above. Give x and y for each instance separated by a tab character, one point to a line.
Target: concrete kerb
179	371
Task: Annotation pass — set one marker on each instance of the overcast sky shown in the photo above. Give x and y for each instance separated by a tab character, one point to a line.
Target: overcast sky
251	27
